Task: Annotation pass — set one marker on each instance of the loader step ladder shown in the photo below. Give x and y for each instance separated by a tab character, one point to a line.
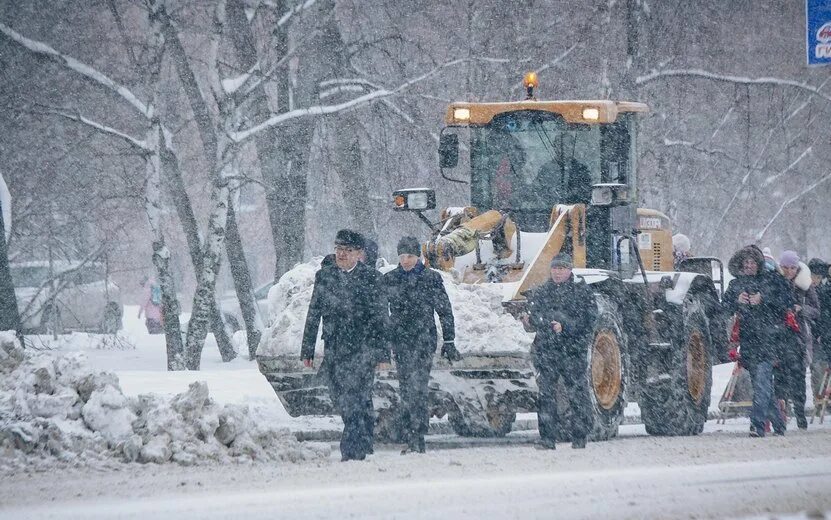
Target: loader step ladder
822	397
728	406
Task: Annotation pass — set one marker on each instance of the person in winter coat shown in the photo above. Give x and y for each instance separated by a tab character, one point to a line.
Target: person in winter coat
822	325
760	298
415	294
790	374
681	248
563	313
350	300
151	306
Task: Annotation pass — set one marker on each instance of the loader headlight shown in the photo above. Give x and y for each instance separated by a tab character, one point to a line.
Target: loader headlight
610	194
591	114
461	114
602	196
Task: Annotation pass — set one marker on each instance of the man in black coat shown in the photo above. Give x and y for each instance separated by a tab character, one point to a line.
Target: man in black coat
415	294
822	325
563	313
760	298
349	297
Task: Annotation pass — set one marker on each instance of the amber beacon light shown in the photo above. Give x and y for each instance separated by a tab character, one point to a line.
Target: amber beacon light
531	82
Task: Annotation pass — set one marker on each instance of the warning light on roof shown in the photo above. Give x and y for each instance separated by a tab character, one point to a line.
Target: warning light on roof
531	82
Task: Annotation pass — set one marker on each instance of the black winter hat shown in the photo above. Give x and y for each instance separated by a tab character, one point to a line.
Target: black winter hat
818	266
562	260
349	238
409	246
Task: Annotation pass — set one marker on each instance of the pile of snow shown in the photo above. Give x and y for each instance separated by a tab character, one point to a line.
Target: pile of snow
82	341
54	407
482	325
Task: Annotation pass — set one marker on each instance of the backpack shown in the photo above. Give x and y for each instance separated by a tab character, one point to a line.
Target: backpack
155	295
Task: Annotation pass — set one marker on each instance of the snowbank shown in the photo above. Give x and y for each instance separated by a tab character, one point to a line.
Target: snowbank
55	408
82	341
482	325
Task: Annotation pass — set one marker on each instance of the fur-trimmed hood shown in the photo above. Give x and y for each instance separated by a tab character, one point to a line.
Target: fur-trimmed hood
803	277
734	266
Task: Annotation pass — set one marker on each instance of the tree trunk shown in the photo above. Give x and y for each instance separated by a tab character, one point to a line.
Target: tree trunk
205	122
242	284
184	209
161	255
170	307
344	133
9	313
282	151
206	278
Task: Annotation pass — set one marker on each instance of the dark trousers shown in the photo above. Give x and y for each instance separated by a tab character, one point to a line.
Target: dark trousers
789	381
350	386
413	367
764	407
572	367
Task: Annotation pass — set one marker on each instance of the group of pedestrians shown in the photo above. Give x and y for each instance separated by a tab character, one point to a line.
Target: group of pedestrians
367	317
781	311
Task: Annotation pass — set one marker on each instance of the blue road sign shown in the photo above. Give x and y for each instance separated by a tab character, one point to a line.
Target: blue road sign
818	31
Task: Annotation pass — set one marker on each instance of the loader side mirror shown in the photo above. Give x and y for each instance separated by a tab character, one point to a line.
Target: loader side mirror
448	150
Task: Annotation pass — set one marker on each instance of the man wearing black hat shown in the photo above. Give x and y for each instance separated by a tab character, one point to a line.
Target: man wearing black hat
563	314
349	297
415	293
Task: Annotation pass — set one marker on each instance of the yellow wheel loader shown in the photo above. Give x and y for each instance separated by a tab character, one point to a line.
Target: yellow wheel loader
548	177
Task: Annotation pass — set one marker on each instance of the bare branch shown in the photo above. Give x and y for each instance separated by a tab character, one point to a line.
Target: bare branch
790	201
318	110
79	67
659	74
295	10
76	116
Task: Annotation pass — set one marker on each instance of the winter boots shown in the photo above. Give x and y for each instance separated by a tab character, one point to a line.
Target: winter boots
546	444
416	444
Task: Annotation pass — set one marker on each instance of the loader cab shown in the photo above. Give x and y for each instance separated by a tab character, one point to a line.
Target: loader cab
525	158
527	161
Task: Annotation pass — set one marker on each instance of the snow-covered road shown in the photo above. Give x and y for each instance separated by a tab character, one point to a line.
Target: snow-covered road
719	474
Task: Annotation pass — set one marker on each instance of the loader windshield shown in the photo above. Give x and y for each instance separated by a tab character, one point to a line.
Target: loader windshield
528	161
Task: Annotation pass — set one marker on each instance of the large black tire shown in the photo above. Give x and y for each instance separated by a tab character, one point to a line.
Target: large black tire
606	376
675	401
470	419
111	321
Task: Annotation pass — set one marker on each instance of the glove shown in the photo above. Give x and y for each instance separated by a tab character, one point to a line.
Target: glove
448	351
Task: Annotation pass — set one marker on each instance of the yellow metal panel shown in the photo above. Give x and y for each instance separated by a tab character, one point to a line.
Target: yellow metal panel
539	271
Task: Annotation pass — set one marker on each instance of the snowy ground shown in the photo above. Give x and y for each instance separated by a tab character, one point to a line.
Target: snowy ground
722	473
719	474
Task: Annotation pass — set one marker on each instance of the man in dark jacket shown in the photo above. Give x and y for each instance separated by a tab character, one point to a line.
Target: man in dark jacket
822	325
563	313
415	294
760	298
349	297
